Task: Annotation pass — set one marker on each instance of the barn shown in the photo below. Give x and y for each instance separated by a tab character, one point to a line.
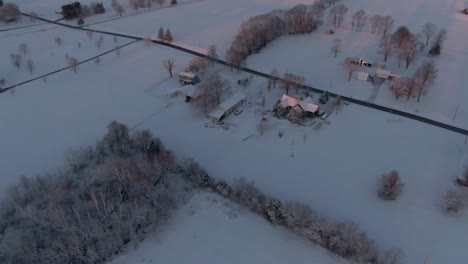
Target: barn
227	107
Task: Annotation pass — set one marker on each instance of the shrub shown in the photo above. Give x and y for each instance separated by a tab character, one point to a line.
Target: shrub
452	202
390	186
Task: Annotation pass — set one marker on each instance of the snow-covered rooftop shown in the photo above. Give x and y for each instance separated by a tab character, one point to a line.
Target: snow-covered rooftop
287	100
217	113
190	75
229	103
308	105
189	90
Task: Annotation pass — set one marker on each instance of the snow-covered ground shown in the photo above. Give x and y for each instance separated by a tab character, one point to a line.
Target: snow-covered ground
45	53
332	166
210	229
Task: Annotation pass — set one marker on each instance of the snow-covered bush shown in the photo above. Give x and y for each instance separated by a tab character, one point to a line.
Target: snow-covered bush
452	202
390	186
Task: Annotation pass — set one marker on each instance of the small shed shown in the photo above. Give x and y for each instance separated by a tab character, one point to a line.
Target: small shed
363	76
190	92
383	74
188	78
361	62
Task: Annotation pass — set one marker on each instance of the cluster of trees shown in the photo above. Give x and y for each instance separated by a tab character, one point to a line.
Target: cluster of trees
119	9
210	91
111	196
17	58
165	35
302	19
258	31
9	12
344	239
422	79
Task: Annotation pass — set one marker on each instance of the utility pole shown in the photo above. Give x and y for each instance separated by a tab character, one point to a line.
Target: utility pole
455	114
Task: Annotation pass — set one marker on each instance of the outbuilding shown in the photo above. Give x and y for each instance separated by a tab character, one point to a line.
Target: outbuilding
363	76
227	107
188	78
383	74
190	92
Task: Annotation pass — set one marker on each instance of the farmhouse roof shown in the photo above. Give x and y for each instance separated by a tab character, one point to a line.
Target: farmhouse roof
287	100
189	90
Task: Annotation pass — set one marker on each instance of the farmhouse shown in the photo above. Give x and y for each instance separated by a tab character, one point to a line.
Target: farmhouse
298	106
227	107
361	62
188	78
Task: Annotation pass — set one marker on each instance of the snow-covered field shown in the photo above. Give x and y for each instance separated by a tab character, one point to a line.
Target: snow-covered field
45	53
210	229
332	166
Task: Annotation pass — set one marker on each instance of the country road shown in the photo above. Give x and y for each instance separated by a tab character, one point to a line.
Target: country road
363	103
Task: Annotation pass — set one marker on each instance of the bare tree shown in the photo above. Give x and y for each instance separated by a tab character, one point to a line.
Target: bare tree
336	47
439	39
428	31
198	64
401	35
168	36
89	34
161	33
337	14
173	2
358	20
425	76
169	65
117	50
73	64
97	60
119	9
376	21
274	76
16	59
30	66
218	86
386	47
23	48
390	186
402	87
58	40
349	67
261	125
338	105
291	80
147	40
213	54
387	23
409	49
161	2
99	43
